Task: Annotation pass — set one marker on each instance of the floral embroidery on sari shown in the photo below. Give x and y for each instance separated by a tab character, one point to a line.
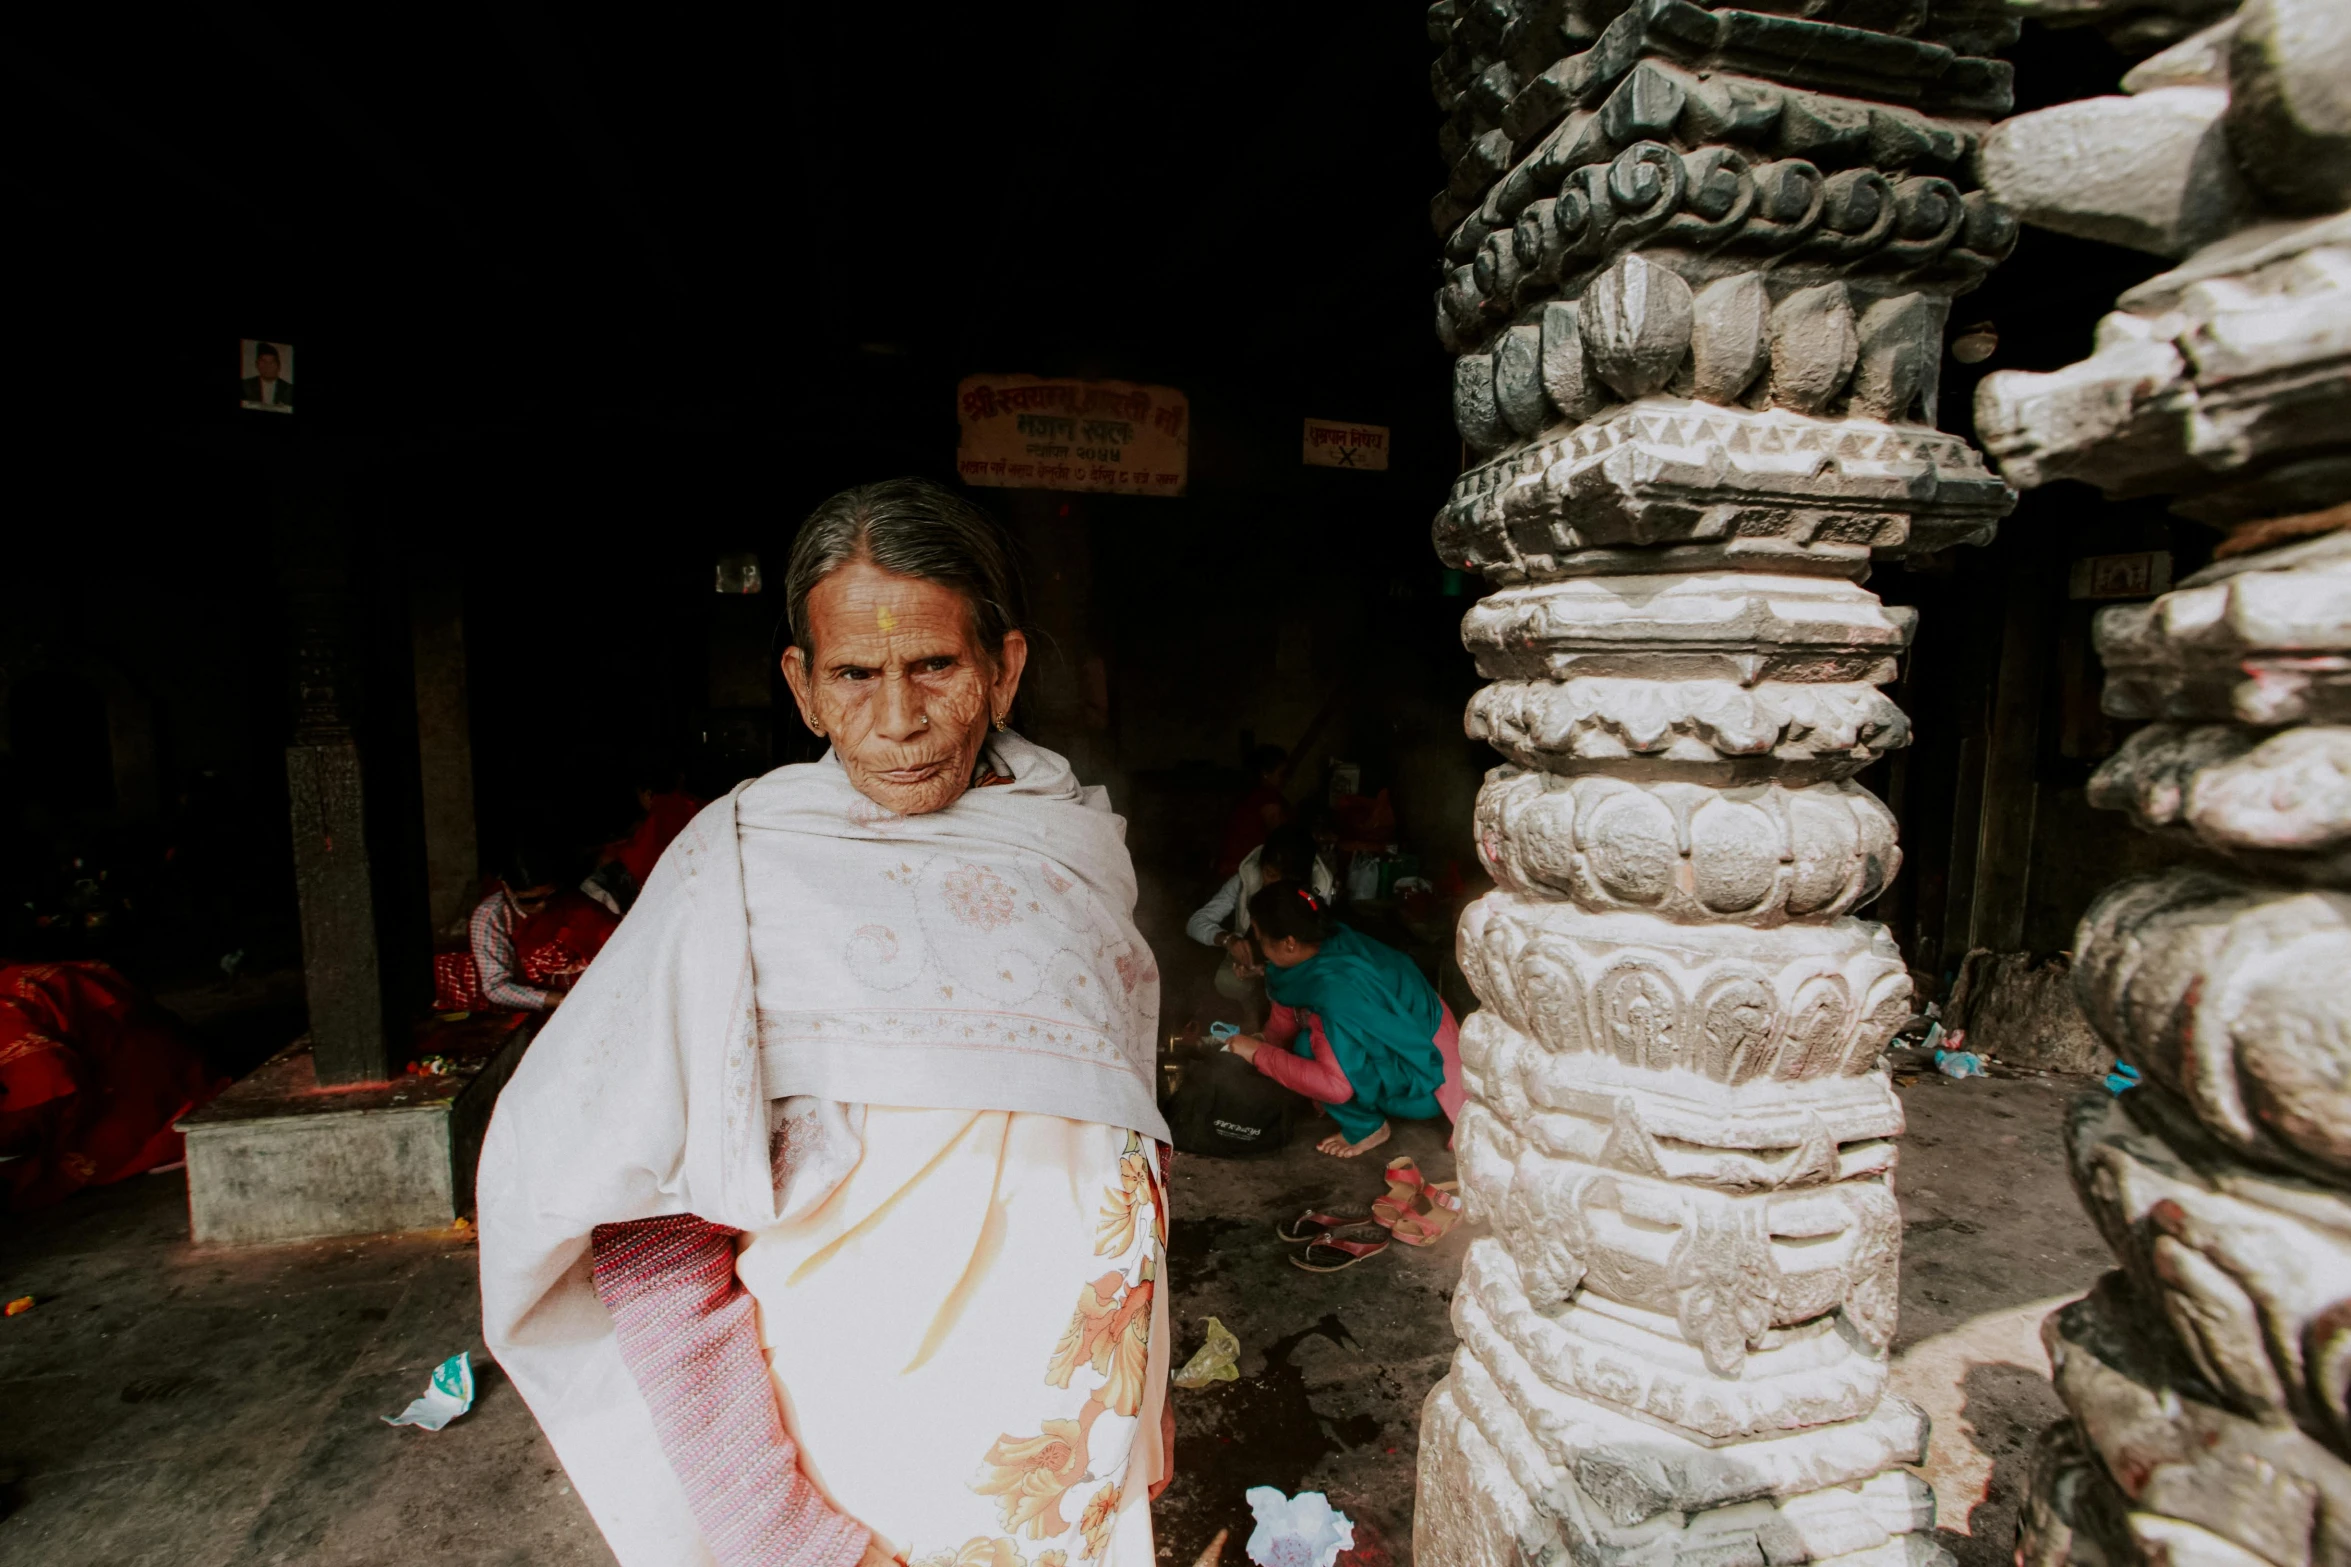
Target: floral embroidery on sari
980	1551
1097	1521
1109	1333
1135	1192
1032	1474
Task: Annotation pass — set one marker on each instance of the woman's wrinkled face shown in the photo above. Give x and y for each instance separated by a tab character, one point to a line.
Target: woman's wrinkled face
900	686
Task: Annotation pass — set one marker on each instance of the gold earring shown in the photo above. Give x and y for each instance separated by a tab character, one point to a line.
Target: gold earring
1000	726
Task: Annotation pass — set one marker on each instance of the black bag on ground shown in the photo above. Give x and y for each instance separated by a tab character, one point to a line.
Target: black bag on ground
1227	1109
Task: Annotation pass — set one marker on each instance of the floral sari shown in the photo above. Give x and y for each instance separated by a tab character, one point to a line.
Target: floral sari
969	1337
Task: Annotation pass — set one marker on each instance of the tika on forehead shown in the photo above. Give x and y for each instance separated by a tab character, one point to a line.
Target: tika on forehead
884	619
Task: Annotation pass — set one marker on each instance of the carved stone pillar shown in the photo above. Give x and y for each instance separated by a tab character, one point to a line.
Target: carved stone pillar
356	1018
2209	1378
1699	262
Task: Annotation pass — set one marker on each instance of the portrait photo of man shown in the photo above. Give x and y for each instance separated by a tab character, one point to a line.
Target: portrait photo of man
268	381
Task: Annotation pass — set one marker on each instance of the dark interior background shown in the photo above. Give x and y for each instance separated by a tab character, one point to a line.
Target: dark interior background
581	300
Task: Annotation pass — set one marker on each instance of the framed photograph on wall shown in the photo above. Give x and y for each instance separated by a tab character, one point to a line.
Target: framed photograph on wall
265	375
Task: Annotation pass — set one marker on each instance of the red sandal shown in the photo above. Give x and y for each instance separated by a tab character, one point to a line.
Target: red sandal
1308	1225
1431	1226
1333	1253
1404	1184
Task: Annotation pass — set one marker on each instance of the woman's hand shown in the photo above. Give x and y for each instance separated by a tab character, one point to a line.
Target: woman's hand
1245	1046
876	1555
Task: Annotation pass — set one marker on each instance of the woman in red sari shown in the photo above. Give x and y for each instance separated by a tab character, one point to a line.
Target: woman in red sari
91	1079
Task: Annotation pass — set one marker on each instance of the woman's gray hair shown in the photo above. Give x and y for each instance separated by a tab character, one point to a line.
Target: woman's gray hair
913	528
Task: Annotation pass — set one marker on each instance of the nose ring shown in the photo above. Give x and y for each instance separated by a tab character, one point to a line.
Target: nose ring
925	721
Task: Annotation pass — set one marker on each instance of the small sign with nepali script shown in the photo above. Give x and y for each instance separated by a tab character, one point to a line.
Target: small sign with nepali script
2143	575
1331	444
1025	432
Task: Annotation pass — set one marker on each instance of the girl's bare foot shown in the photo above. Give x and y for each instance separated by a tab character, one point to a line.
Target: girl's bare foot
1338	1147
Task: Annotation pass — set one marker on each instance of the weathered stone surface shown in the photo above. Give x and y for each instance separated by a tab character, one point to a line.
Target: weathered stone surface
2251	1268
1696	275
1668	485
1469	1509
1744	1136
281	1156
1636	321
2153	171
1700	731
1759	855
1813	347
351	1021
1715	625
1475	411
2024	1013
1698	1368
1518	379
2072	1512
2231	994
1733	1004
1619	1472
1703	731
2289	116
2261	639
1643	94
1732	1269
2179	1455
1568	381
2207	1382
2279	804
1730	332
1572	1476
1900	345
2211	378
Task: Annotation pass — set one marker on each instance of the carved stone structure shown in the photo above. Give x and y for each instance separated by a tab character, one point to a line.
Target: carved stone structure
2209	1379
1699	260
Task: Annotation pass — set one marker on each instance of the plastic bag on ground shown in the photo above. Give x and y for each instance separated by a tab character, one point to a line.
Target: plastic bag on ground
449	1395
1297	1531
1217	1360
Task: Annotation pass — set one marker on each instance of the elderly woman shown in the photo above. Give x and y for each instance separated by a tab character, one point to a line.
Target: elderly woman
824	1223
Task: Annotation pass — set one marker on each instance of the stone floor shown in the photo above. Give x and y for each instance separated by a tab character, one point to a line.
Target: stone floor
167	1405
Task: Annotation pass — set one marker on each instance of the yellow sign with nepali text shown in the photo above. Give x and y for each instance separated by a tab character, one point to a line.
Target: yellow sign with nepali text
1026	432
1332	443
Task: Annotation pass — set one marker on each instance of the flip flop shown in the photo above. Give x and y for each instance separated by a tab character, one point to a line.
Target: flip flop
1332	1254
1404	1183
1444	1211
1311	1225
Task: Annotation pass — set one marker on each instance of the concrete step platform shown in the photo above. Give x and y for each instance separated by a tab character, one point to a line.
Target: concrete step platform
279	1157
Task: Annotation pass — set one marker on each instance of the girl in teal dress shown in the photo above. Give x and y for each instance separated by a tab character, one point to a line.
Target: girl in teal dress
1354	1026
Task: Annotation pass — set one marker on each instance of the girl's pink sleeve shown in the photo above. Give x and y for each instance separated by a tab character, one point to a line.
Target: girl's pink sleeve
1319	1079
1281	1026
689	1334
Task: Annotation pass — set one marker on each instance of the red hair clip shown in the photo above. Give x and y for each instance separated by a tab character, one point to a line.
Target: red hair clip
1312	901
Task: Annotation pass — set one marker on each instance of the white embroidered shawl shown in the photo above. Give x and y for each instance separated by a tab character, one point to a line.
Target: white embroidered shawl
796	939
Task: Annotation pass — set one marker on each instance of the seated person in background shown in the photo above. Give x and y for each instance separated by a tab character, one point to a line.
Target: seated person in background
627	862
92	1076
1355	1025
1259	812
1287	855
521	898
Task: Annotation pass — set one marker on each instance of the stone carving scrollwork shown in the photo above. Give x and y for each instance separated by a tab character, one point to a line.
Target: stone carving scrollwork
1698	263
2208	1379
